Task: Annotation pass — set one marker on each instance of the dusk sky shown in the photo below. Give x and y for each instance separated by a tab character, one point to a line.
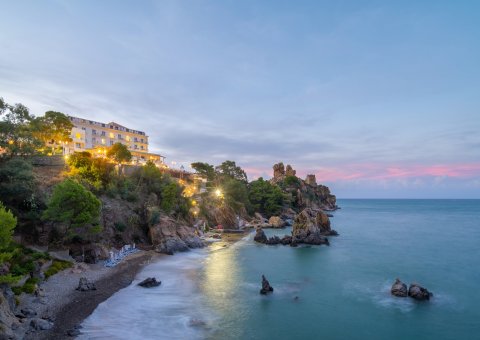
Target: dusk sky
379	100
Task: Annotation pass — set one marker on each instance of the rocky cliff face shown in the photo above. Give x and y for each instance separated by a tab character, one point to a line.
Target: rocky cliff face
303	193
169	236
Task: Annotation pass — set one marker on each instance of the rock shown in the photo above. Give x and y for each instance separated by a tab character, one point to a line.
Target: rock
260	219
170	236
276	222
9	295
418	292
150	282
278	170
85	285
41	324
273	240
28	312
266	288
315	238
286	240
312	221
289	171
260	236
217	236
197	323
73	332
311	180
399	289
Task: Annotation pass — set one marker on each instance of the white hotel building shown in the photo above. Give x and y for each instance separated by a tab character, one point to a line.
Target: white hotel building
96	138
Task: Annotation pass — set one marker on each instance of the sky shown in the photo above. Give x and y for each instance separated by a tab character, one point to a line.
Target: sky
379	99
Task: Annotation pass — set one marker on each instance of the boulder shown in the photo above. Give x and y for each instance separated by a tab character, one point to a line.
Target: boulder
418	292
286	240
278	170
273	240
289	171
41	324
266	288
85	285
150	282
28	312
399	289
170	236
260	236
315	238
312	221
276	222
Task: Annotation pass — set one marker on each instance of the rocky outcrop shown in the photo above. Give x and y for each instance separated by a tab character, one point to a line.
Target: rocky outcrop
266	288
311	221
85	285
8	321
41	324
260	236
303	193
276	222
169	236
311	180
150	282
418	292
399	289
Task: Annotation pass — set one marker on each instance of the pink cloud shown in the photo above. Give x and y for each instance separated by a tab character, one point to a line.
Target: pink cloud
370	171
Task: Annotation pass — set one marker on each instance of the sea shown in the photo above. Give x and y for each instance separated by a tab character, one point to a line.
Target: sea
341	291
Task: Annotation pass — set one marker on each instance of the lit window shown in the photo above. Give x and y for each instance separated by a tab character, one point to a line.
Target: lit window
112	135
127	138
78	136
103	140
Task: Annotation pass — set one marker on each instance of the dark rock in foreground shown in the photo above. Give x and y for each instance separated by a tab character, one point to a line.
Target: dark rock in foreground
260	236
150	282
418	292
40	324
399	289
85	285
266	288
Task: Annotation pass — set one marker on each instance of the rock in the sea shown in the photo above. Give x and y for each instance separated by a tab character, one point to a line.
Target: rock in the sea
41	324
276	222
311	221
85	285
286	240
266	288
273	240
399	289
418	292
315	238
260	236
150	282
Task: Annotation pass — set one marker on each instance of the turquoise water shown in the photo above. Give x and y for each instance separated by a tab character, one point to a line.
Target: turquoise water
343	290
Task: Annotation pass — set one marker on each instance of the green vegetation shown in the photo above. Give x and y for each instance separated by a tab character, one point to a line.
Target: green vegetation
7	224
119	153
17	184
72	204
57	266
265	197
52	129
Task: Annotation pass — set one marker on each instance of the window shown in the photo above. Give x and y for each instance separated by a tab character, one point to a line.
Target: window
111	142
103	125
103	140
77	145
141	140
119	136
136	146
112	135
94	132
127	138
94	140
103	133
78	135
84	129
141	147
135	139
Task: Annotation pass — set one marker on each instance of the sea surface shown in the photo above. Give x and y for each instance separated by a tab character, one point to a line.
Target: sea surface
343	290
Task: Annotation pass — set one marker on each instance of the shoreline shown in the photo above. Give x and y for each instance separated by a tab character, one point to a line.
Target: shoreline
68	308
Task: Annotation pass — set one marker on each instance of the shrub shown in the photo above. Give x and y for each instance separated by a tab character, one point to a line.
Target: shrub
120	226
7	224
56	267
265	197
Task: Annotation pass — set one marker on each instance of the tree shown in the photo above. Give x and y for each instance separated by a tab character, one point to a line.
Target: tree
230	169
205	170
266	197
236	194
17	183
53	128
71	203
7	224
16	131
119	153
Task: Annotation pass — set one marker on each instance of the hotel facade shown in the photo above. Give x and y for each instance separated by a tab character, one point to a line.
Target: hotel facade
96	138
